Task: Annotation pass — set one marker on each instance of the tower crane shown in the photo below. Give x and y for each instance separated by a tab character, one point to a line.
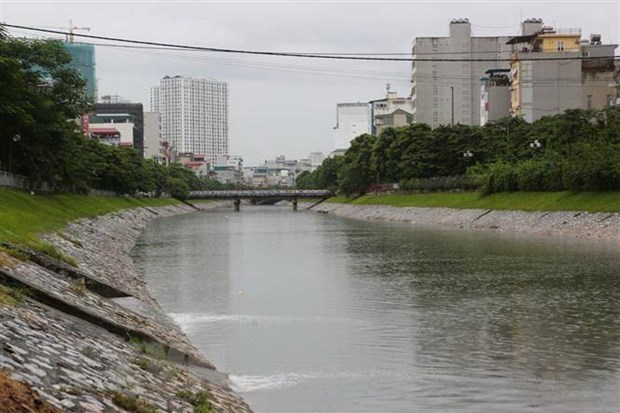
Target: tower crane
70	28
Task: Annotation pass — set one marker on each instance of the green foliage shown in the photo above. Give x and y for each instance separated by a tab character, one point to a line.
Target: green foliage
577	150
131	402
150	348
11	296
438	183
24	216
199	400
39	95
40	99
524	201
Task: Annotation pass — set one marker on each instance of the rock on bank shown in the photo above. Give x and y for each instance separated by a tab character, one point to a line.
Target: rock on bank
91	338
565	223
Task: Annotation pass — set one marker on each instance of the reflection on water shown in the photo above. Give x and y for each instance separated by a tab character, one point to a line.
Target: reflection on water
317	313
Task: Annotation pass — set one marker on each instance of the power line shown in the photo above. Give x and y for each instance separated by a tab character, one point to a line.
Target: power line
282	54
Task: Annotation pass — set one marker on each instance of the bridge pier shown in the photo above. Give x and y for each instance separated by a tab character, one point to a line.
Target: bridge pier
294	204
237	203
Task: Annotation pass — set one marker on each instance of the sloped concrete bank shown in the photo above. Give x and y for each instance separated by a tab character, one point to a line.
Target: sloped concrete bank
91	338
573	224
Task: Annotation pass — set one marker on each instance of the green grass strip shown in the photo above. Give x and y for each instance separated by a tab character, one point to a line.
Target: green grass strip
517	201
23	216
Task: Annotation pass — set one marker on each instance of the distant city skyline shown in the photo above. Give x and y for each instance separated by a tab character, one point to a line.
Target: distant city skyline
286	105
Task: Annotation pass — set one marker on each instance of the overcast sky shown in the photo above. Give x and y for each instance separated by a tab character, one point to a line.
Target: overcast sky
283	105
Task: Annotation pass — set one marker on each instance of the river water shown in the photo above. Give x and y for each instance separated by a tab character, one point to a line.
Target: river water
315	313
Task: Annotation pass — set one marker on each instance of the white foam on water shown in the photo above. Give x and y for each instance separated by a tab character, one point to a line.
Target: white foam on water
186	320
252	383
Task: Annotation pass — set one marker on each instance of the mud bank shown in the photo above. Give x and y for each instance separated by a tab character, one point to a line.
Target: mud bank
91	338
573	224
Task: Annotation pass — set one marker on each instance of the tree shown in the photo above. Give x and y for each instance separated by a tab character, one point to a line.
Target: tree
39	96
356	173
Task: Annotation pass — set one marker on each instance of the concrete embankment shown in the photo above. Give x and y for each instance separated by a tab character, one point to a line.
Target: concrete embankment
567	223
91	338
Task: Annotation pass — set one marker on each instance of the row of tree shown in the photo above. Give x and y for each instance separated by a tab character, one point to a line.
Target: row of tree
40	97
577	150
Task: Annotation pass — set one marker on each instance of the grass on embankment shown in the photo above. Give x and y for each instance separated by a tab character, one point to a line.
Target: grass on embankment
24	216
516	201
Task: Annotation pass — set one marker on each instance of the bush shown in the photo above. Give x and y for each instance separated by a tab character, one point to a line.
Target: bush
439	183
495	177
593	167
539	175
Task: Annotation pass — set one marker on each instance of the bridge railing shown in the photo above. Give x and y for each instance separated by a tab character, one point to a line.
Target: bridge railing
261	193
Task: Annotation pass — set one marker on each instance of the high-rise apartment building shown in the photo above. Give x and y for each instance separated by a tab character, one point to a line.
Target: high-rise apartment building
194	115
444	92
83	61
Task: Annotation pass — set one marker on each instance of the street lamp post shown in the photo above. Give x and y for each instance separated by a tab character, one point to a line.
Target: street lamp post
16	138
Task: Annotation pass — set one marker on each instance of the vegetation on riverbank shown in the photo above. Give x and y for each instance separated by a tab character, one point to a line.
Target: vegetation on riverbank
519	201
23	216
578	150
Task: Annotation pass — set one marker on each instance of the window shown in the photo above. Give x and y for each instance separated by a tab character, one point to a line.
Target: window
560	45
589	104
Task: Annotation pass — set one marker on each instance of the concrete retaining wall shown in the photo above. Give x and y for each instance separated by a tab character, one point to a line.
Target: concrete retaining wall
79	348
567	223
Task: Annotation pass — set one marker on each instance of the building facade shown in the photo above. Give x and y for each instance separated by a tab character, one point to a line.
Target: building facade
194	115
152	137
352	120
392	111
444	92
544	85
126	118
83	61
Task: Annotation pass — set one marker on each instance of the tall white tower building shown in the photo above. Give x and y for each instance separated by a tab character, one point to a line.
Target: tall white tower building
194	115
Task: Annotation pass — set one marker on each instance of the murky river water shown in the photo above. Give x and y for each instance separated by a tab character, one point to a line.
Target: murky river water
314	313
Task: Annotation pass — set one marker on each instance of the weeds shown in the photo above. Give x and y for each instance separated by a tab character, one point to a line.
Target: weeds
170	372
15	253
153	349
199	400
54	252
78	286
131	402
11	296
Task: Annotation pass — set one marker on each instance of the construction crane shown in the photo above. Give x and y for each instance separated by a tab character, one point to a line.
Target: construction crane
70	29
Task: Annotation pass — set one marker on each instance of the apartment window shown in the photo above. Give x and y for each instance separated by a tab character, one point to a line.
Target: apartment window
560	45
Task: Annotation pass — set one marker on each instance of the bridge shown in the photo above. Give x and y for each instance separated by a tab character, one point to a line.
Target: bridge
263	195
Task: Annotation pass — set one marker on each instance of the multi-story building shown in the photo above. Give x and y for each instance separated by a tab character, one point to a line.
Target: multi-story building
392	111
554	70
355	119
447	92
118	124
83	61
352	120
152	137
194	114
494	95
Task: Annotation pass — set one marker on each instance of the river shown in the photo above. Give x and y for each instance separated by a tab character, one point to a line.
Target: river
315	313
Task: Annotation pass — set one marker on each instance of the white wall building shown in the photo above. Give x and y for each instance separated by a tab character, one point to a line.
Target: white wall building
352	120
152	136
194	114
449	92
